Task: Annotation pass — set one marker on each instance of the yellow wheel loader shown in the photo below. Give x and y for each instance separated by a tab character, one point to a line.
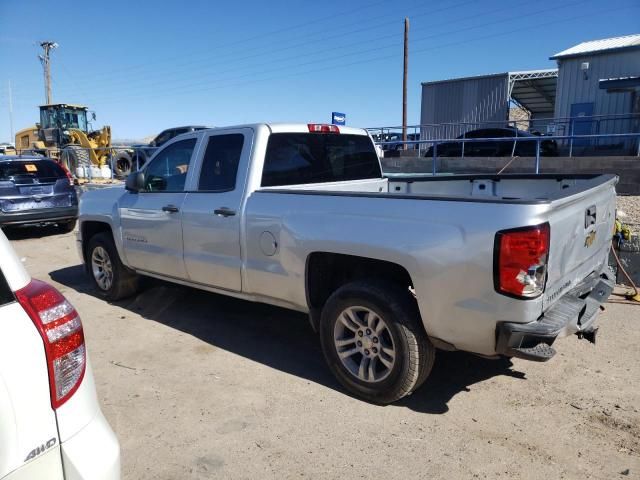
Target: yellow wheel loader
63	133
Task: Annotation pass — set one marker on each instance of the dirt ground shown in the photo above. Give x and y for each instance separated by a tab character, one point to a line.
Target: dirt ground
201	386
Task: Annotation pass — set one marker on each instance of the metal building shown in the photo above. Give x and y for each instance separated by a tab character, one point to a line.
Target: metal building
452	107
599	79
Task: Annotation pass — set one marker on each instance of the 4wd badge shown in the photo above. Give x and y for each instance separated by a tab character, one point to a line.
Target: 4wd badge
41	449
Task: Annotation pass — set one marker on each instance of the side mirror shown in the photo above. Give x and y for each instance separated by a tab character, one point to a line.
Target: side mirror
134	182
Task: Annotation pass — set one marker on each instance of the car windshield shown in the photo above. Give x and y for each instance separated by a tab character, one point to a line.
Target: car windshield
43	170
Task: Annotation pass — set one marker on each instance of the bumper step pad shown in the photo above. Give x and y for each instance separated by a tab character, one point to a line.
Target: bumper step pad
540	353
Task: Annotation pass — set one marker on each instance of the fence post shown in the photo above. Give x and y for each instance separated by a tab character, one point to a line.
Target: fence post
464	135
90	167
435	156
571	139
537	156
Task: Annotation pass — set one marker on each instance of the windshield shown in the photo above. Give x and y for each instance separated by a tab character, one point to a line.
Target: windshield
64	118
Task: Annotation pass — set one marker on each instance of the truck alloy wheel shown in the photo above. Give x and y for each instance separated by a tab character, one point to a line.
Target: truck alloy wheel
364	344
101	268
374	342
112	279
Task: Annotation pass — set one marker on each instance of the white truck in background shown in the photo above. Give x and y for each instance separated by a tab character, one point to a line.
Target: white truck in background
389	270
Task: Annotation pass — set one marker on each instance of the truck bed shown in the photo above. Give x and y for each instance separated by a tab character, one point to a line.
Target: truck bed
507	188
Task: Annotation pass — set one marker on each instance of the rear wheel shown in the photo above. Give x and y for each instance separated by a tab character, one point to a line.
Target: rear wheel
374	342
112	279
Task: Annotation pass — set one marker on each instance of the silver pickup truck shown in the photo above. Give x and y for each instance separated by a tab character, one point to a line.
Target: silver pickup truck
389	269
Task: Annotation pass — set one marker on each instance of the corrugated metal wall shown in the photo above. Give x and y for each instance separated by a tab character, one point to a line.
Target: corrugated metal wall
472	100
574	88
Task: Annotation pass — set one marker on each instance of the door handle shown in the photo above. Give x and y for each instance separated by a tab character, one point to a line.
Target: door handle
224	212
170	209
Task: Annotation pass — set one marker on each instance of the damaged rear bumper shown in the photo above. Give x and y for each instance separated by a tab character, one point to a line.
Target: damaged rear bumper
574	313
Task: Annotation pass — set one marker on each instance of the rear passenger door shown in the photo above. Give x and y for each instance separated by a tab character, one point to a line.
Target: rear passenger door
211	211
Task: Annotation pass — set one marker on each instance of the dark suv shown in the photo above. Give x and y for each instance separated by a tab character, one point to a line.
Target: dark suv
36	190
144	152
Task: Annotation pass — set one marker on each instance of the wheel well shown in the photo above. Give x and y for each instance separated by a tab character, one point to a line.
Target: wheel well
326	272
88	230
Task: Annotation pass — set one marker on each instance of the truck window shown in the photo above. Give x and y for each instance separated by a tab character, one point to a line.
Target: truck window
220	163
298	158
167	172
6	296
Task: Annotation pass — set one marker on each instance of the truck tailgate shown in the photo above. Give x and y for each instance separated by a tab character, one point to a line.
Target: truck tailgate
581	230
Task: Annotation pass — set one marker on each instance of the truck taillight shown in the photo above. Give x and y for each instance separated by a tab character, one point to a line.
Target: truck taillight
322	128
61	331
520	261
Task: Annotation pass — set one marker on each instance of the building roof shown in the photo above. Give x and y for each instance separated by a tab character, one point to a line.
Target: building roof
534	89
600	46
70	105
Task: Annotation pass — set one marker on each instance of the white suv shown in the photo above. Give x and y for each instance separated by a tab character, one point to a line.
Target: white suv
51	426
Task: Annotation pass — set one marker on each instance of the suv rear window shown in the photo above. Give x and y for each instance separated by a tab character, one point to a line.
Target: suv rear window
6	296
298	158
25	170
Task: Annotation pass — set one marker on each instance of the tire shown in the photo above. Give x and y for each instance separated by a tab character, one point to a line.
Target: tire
74	156
68	226
122	164
395	326
112	280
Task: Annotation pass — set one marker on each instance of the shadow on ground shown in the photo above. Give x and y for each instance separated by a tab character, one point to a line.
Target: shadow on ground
279	338
29	231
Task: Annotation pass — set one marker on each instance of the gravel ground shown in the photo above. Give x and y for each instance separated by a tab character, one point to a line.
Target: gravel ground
199	386
630	205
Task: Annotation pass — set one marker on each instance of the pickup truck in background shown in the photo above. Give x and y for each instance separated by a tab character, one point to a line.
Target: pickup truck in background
389	270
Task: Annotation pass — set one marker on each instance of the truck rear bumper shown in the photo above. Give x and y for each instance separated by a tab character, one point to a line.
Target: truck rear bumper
575	313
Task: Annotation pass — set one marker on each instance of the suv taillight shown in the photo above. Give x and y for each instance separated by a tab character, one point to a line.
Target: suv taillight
61	330
520	261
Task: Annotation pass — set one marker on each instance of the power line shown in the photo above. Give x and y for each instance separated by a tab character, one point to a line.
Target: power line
207	84
262	50
331	51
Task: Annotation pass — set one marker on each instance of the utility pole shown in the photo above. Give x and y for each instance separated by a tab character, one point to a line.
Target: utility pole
47	46
10	113
404	82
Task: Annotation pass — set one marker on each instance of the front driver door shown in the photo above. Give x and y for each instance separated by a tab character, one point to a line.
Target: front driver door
152	219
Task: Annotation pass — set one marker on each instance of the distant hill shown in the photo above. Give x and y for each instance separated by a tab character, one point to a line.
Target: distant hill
130	141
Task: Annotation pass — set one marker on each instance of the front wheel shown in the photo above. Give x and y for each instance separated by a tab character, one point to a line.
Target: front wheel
374	342
112	279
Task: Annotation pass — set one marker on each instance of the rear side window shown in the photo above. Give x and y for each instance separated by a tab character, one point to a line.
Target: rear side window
220	164
25	171
6	296
298	158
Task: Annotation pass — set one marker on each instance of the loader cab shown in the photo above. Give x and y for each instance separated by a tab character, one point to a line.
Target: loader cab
63	116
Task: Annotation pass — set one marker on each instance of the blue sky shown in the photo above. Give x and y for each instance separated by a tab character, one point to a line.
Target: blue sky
147	65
